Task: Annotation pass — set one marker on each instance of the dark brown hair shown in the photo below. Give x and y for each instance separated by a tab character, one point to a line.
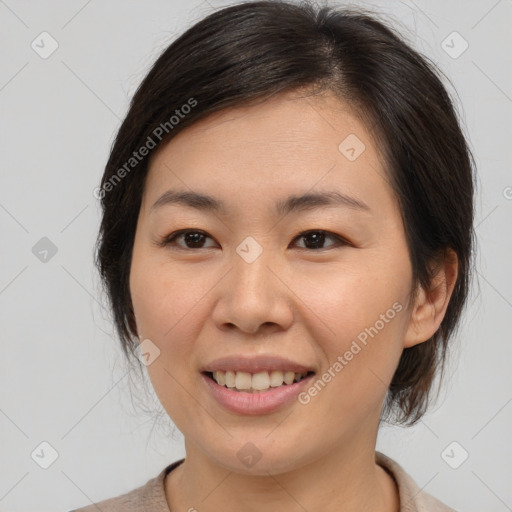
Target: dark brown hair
251	51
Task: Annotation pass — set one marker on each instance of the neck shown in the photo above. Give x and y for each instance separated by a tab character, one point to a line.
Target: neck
347	480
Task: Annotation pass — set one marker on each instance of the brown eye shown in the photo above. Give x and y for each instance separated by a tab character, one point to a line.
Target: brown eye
192	239
316	238
195	239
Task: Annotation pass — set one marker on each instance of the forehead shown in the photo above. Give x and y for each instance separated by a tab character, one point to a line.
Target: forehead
288	144
287	121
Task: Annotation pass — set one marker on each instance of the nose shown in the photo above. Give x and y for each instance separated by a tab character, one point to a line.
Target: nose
254	296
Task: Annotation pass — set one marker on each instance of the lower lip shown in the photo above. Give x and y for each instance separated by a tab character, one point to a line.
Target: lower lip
253	404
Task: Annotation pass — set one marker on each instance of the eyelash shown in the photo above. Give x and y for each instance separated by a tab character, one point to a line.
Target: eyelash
170	239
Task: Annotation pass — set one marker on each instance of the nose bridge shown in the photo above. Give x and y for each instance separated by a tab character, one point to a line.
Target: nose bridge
252	295
251	277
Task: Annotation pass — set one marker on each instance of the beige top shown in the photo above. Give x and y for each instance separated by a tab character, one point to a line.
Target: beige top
151	496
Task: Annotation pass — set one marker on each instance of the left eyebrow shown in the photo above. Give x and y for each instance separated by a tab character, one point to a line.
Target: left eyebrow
295	203
309	201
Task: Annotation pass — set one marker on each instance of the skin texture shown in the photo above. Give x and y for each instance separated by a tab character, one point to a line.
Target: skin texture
305	304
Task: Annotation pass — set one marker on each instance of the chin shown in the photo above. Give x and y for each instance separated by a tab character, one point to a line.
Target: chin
258	458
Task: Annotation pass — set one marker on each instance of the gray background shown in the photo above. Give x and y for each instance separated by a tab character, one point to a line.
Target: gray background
62	376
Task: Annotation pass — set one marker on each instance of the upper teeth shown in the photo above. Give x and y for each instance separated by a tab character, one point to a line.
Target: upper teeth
256	381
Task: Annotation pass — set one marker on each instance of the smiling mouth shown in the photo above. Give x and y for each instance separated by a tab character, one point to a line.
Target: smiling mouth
256	382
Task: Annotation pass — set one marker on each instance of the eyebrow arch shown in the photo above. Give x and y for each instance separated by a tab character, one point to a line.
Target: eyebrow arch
295	203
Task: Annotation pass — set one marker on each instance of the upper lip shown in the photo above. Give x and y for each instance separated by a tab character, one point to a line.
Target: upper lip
255	364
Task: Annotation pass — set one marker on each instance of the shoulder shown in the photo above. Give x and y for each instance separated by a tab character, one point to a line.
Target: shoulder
412	498
131	501
150	496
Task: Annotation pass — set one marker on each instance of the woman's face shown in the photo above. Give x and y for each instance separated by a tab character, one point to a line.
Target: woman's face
245	284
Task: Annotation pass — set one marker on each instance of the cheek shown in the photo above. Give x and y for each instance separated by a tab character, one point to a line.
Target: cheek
347	300
162	295
162	318
166	303
360	320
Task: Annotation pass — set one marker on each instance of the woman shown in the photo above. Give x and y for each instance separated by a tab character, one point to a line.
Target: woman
286	243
